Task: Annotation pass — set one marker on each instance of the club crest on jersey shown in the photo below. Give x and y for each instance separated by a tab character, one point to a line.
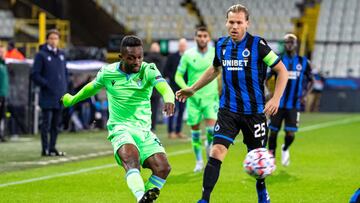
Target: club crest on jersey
217	127
139	82
298	67
246	53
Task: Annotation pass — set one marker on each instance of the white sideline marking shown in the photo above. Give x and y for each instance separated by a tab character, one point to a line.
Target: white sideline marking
304	129
328	124
63	159
78	171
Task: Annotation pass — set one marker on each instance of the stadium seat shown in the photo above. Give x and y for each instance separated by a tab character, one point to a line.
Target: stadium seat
7	23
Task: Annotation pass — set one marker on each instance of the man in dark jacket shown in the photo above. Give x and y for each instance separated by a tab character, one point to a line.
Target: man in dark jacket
154	56
50	73
170	68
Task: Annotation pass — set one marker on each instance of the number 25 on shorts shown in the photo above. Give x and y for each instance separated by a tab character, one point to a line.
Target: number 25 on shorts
259	130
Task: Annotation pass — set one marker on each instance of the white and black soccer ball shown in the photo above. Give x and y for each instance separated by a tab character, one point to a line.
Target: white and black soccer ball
259	163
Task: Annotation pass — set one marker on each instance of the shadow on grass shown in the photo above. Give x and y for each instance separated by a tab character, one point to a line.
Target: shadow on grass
280	176
185	178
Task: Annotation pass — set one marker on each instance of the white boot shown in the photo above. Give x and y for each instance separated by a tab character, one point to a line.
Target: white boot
199	166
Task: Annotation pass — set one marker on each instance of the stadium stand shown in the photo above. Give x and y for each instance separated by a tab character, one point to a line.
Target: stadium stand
158	19
270	19
7	22
338	39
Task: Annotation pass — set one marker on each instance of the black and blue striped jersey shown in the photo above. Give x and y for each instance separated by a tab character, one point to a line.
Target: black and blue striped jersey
244	65
299	71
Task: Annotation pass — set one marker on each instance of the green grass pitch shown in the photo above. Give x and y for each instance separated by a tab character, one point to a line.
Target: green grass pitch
325	167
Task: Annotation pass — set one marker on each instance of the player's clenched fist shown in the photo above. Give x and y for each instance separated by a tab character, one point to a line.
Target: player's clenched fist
168	109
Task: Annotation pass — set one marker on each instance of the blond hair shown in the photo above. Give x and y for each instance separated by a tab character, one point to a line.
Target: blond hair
237	8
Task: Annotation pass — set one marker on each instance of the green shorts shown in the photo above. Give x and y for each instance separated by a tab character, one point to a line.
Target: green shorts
146	142
199	108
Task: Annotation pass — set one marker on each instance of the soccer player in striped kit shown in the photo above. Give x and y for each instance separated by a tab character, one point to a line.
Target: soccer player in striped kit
298	85
243	60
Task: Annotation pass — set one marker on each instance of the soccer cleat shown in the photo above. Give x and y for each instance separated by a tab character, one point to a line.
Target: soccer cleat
285	156
263	196
150	195
202	201
199	166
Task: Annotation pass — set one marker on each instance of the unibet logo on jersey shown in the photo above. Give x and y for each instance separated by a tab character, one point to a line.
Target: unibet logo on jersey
235	65
293	75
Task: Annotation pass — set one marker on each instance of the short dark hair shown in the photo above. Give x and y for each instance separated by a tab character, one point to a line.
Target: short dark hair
52	31
237	8
130	41
201	28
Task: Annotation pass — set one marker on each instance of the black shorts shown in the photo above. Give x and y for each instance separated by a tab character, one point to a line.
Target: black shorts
291	117
253	127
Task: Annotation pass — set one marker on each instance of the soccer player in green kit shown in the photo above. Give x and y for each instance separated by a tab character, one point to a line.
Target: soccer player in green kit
205	103
129	84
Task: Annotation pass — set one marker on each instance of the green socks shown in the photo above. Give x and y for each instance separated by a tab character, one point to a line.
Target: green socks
196	143
210	138
154	181
135	183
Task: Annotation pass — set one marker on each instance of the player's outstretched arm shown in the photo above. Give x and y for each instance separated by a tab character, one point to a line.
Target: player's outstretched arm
179	79
209	75
168	95
87	91
272	105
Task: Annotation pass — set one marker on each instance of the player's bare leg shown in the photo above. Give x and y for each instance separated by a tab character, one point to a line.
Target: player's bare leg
160	168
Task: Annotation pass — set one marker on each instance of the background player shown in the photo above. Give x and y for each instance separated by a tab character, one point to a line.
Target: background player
298	85
244	59
204	104
129	84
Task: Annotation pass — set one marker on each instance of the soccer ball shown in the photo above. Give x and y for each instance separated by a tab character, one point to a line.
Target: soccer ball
259	163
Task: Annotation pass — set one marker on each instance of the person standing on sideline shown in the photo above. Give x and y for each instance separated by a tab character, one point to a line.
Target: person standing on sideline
12	52
129	84
243	60
154	56
50	73
298	85
205	103
4	91
170	68
313	99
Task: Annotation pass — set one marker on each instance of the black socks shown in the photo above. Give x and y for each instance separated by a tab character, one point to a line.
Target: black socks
211	175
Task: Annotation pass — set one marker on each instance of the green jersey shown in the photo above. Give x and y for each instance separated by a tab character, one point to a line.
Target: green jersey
196	63
128	95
